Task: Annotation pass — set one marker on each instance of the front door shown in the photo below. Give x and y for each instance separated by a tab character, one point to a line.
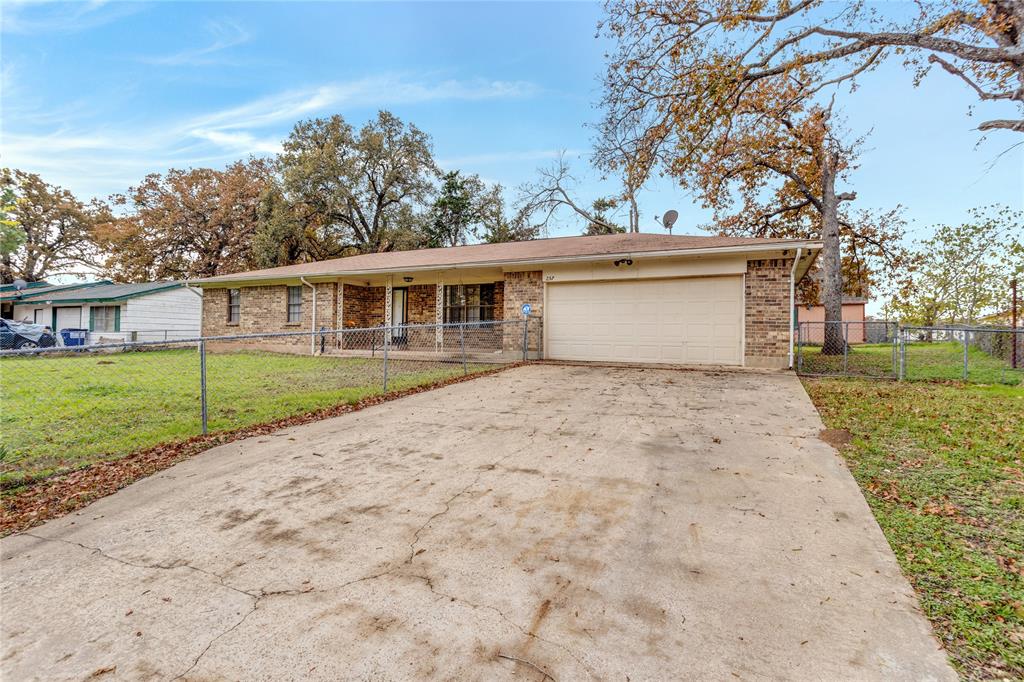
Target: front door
399	308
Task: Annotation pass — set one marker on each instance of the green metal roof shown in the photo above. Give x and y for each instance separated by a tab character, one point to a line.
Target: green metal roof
30	285
32	293
98	294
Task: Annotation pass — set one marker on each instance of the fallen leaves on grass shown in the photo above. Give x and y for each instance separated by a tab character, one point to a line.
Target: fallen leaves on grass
53	497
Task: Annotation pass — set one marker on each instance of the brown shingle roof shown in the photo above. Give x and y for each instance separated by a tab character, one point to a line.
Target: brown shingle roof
494	254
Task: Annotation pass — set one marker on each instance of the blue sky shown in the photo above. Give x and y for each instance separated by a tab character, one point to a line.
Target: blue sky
97	94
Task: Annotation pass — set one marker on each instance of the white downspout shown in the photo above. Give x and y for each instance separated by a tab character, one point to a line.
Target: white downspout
792	303
312	329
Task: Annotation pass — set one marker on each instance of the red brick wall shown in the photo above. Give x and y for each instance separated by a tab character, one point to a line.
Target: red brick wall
520	288
422	304
363	306
767	312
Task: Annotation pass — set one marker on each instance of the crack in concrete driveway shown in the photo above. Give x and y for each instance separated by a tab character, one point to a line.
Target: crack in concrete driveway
564	522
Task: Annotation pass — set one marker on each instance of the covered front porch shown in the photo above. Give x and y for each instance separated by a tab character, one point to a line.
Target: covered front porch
422	313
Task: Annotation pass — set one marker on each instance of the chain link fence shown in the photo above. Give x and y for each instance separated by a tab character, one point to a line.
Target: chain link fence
65	407
886	350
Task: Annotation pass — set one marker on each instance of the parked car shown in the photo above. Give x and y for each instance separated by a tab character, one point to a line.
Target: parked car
24	335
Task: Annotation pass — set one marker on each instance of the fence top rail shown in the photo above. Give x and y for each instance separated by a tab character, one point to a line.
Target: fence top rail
190	341
1002	330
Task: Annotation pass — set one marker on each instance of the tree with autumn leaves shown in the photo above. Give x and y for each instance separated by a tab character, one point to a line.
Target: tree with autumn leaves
733	100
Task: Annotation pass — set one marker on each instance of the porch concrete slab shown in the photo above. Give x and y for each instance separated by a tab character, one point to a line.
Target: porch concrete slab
545	522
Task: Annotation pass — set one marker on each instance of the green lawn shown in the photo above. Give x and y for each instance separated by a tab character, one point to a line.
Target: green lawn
942	467
924	361
61	413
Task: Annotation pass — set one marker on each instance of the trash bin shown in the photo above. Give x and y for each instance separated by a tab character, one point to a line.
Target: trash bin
73	337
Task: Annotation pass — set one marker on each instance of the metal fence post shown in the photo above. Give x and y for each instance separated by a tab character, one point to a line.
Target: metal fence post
526	335
202	383
894	354
900	337
386	344
462	345
846	347
966	337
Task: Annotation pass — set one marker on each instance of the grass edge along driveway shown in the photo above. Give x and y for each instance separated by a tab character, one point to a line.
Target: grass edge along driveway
60	414
940	465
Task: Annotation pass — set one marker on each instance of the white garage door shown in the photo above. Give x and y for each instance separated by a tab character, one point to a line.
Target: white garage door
687	321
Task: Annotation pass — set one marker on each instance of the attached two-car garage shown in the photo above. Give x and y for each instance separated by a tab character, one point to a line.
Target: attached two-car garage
694	320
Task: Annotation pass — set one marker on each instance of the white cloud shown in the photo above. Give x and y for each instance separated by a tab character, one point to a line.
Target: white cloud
109	157
245	143
224	34
36	16
379	91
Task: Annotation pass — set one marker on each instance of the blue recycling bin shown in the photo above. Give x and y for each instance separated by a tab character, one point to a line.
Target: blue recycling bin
73	337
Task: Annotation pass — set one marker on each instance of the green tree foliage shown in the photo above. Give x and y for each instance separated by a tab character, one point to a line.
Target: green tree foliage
281	237
602	224
47	231
465	207
965	270
358	192
509	230
185	223
11	234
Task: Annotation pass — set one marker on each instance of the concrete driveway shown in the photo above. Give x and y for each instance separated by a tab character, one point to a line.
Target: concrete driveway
547	522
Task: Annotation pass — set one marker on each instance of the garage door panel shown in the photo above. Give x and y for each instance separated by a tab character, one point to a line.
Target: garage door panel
690	321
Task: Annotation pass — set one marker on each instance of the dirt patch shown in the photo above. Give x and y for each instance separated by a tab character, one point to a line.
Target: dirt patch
837	438
59	495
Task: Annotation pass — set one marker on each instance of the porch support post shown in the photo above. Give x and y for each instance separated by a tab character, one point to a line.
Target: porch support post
439	315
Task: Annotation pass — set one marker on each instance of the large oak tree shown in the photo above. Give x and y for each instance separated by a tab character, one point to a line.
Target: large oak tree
47	230
765	153
359	192
186	223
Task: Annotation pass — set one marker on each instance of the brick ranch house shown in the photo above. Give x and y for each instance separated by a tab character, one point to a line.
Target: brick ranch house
623	298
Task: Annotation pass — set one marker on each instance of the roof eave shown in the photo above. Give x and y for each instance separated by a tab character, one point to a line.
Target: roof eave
109	299
715	250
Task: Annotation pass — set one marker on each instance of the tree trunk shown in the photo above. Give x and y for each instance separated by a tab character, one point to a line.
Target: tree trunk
831	259
634	212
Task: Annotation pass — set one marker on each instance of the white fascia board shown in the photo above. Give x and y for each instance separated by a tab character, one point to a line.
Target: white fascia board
673	253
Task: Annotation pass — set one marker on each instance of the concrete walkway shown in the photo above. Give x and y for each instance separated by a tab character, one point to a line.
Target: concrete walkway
547	522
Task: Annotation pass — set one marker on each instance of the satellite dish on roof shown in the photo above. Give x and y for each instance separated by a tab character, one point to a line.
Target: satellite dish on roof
20	284
669	219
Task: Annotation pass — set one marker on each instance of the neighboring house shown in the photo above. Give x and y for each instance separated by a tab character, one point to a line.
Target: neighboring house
853	312
11	295
625	297
1003	318
151	311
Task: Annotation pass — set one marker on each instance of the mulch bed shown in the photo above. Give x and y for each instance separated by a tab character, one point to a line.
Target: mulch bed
62	494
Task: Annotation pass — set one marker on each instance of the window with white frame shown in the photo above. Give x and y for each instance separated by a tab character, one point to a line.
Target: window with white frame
469	302
234	305
294	304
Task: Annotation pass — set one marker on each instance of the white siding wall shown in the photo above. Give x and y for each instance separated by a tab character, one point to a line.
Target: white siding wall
178	312
175	311
23	313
